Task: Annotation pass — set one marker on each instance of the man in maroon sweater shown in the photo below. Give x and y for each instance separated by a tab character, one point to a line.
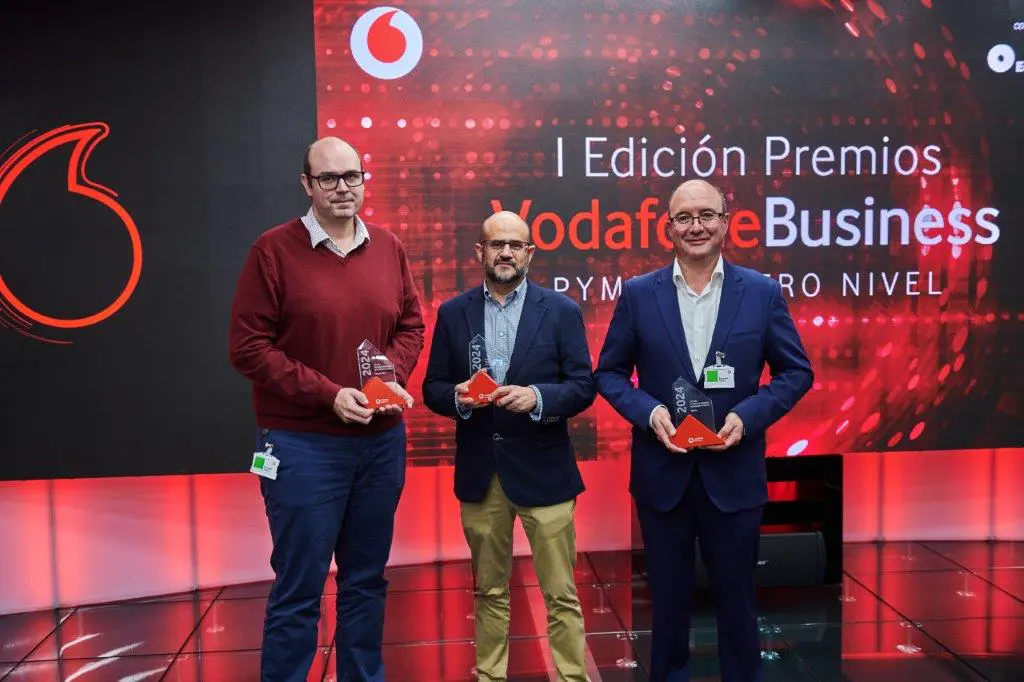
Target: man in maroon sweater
311	291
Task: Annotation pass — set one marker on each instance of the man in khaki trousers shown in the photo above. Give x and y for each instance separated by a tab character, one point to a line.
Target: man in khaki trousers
513	454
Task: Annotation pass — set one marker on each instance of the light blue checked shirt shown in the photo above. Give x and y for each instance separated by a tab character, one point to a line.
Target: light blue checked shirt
501	324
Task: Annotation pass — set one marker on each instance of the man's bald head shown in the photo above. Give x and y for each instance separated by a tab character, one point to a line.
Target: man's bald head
504	222
692	188
326	146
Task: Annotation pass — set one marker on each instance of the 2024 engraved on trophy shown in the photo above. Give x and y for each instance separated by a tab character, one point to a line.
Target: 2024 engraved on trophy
481	383
375	371
694	417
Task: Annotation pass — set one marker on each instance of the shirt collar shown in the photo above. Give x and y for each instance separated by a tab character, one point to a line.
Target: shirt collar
317	234
515	294
717	274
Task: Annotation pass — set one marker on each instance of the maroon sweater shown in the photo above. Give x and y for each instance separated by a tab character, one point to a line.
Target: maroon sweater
300	313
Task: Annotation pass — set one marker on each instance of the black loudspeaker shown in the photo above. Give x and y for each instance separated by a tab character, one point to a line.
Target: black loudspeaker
785	559
801	538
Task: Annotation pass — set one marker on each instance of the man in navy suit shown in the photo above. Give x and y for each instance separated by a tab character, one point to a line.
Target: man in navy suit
513	457
674	323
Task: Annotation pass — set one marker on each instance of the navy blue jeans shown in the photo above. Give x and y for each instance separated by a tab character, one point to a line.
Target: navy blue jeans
333	496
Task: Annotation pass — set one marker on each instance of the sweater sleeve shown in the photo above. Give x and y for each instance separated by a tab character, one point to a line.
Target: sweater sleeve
253	332
407	342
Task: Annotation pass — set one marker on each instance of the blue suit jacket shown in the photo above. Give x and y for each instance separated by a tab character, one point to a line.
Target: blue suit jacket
535	461
753	327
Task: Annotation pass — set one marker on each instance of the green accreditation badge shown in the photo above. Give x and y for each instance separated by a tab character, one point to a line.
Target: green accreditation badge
264	463
719	375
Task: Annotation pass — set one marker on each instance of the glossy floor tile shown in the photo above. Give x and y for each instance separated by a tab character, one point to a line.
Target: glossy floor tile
233	666
634	607
877	652
917	612
937	595
1007	579
134	668
237	625
454	575
992	646
981	554
129	629
847	602
778	661
20	633
612	656
618	567
874	557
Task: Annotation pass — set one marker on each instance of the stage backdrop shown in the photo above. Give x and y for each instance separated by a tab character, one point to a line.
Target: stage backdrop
869	152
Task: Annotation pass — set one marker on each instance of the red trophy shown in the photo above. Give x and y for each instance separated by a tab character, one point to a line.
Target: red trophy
694	417
481	384
375	370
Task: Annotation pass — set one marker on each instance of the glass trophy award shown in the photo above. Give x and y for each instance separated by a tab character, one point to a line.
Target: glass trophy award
375	370
694	417
481	383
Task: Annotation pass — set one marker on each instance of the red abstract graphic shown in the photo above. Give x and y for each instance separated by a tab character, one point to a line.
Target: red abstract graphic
85	137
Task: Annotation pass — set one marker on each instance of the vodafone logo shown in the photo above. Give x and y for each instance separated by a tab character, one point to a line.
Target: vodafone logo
386	43
1001	58
83	139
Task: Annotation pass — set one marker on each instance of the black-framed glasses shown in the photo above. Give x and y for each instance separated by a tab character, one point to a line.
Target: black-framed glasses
329	181
498	245
705	218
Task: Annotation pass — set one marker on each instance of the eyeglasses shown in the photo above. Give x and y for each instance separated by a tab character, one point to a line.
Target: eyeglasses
705	218
498	245
329	181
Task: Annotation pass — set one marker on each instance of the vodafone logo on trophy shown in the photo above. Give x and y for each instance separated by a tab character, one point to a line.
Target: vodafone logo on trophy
386	43
20	315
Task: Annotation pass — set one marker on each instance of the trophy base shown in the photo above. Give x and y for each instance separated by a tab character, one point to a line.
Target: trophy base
691	433
481	386
379	395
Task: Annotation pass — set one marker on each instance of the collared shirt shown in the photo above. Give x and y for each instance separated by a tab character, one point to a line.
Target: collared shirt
699	313
501	324
318	236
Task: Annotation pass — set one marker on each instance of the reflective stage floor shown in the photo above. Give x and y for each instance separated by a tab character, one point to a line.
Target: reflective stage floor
905	612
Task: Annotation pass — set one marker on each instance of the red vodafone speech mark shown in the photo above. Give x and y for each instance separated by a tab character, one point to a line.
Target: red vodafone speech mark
386	42
85	137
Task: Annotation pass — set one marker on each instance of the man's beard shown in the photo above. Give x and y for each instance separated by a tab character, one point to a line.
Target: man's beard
500	278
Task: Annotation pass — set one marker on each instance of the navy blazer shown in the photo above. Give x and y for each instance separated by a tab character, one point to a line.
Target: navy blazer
535	461
753	327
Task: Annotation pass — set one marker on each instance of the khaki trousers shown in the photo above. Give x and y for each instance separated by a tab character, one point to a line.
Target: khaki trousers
552	535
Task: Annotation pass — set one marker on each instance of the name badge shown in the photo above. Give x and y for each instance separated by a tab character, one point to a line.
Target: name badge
719	375
265	464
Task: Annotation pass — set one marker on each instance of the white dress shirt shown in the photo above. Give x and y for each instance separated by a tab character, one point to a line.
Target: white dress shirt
699	313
